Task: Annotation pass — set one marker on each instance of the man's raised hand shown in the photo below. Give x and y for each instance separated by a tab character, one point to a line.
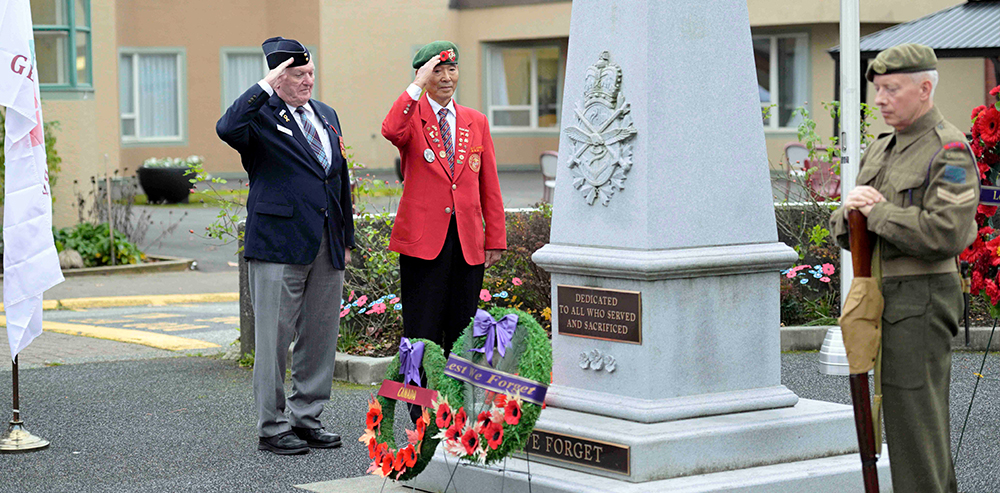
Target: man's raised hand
277	74
424	73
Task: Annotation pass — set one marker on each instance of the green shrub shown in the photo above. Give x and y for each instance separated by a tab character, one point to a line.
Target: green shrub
94	245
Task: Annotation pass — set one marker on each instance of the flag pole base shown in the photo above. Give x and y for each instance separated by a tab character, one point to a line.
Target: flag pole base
17	439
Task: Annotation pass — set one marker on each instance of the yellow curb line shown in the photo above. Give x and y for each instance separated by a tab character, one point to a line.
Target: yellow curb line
153	300
151	339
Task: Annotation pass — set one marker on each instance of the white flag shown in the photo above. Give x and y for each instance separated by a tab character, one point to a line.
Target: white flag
30	260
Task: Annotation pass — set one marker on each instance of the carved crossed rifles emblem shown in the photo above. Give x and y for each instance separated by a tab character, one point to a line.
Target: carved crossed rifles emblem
602	153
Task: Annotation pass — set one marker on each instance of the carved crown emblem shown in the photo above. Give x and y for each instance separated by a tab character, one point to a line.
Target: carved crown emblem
604	80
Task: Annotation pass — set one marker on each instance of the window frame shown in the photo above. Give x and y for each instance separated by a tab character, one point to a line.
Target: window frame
224	54
533	127
773	37
69	64
135	141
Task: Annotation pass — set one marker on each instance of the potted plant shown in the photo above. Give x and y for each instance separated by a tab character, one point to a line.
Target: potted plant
166	180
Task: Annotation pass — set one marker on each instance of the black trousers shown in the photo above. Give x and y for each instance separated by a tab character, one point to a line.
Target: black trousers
440	296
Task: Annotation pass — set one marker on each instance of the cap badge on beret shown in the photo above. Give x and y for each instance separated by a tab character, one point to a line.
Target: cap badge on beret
448	55
278	49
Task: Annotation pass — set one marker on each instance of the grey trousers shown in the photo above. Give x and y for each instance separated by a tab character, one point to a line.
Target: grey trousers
300	303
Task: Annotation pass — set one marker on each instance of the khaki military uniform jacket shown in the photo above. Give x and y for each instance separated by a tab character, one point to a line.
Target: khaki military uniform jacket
931	187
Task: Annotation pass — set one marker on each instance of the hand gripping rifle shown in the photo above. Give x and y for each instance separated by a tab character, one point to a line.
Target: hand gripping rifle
860	324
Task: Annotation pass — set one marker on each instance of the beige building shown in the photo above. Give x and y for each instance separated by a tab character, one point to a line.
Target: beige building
133	79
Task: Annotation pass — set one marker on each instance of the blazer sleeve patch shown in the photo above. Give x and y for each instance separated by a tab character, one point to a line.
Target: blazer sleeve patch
953	145
956	198
954	174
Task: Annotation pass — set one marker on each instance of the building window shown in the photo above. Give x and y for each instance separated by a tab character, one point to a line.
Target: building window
150	95
782	76
524	85
62	43
241	68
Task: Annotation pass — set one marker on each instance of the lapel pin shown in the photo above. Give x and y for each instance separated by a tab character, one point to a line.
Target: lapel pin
442	154
428	155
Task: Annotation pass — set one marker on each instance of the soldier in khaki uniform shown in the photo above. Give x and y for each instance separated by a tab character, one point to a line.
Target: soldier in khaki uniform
919	188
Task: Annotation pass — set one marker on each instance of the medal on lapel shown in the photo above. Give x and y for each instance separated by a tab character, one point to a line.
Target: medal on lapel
428	155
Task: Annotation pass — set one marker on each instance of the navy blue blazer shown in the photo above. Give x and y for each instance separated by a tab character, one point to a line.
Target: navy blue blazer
290	196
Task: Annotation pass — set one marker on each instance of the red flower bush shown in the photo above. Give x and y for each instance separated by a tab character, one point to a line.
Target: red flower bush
987	127
983	255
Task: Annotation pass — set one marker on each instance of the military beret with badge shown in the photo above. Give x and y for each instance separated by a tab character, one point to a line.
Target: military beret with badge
445	50
278	49
901	59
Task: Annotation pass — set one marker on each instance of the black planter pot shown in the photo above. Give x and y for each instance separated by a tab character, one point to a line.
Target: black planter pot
169	185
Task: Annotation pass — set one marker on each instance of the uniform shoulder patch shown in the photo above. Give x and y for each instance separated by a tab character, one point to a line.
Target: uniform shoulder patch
953	145
953	174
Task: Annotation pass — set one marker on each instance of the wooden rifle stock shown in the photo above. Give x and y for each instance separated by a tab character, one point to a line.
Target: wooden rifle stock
861	256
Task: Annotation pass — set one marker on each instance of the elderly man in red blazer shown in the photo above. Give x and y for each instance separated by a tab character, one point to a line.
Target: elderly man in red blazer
450	223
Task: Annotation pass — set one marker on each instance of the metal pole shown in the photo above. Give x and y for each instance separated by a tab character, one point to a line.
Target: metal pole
17	438
111	222
850	117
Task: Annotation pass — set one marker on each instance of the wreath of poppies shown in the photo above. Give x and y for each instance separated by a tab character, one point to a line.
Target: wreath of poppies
503	422
408	461
983	255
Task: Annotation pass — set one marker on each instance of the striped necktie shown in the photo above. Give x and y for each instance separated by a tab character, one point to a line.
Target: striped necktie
313	139
446	136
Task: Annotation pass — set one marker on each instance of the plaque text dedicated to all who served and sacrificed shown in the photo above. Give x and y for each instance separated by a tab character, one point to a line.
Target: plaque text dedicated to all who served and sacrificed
600	313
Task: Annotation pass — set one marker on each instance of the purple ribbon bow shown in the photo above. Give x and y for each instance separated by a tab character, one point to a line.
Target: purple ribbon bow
410	356
498	332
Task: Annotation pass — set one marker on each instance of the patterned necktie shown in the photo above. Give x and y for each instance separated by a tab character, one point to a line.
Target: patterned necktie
446	136
313	138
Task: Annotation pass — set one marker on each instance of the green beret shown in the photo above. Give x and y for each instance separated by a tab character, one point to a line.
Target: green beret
905	58
434	49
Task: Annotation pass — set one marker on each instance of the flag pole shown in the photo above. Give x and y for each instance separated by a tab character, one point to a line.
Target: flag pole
17	438
111	222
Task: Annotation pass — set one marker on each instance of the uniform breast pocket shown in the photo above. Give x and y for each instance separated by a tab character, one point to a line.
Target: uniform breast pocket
908	188
904	349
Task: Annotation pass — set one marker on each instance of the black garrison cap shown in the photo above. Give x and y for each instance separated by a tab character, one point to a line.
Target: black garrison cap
279	49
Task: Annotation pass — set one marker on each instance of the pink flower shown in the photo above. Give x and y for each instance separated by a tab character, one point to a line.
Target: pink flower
824	279
485	295
790	274
828	269
516	281
362	300
394	300
378	308
351	296
800	267
344	312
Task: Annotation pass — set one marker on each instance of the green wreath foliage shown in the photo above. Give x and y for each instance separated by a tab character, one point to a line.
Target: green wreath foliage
433	365
528	356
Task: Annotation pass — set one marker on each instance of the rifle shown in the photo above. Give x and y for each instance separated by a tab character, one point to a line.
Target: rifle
861	256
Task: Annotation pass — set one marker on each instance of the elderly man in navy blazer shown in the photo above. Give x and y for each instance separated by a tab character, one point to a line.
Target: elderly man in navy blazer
299	231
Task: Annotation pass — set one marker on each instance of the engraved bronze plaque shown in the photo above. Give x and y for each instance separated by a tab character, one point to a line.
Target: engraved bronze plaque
597	313
581	451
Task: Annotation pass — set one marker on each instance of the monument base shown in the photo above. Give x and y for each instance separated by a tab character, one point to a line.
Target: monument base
810	445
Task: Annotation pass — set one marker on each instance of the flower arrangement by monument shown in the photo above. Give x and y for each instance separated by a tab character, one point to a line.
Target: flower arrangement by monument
503	421
408	461
983	256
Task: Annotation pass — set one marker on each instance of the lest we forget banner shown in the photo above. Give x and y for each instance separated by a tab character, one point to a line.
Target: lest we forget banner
30	260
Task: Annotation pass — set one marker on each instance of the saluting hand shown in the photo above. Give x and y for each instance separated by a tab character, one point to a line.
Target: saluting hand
863	198
425	72
276	76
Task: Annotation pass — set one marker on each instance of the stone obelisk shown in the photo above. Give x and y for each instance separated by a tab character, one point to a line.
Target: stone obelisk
664	260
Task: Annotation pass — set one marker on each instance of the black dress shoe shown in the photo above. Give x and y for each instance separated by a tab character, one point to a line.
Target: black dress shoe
318	437
284	444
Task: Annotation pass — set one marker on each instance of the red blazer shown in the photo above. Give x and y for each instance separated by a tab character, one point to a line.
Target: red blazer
430	194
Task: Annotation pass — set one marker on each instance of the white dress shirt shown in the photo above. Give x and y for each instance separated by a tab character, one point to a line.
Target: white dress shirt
324	137
414	91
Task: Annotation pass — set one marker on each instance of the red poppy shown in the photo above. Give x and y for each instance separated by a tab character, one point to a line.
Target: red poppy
371	448
421	428
512	413
387	461
453	433
374	418
501	400
494	435
399	461
443	415
470	440
461	418
988	127
409	456
444	56
483	420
